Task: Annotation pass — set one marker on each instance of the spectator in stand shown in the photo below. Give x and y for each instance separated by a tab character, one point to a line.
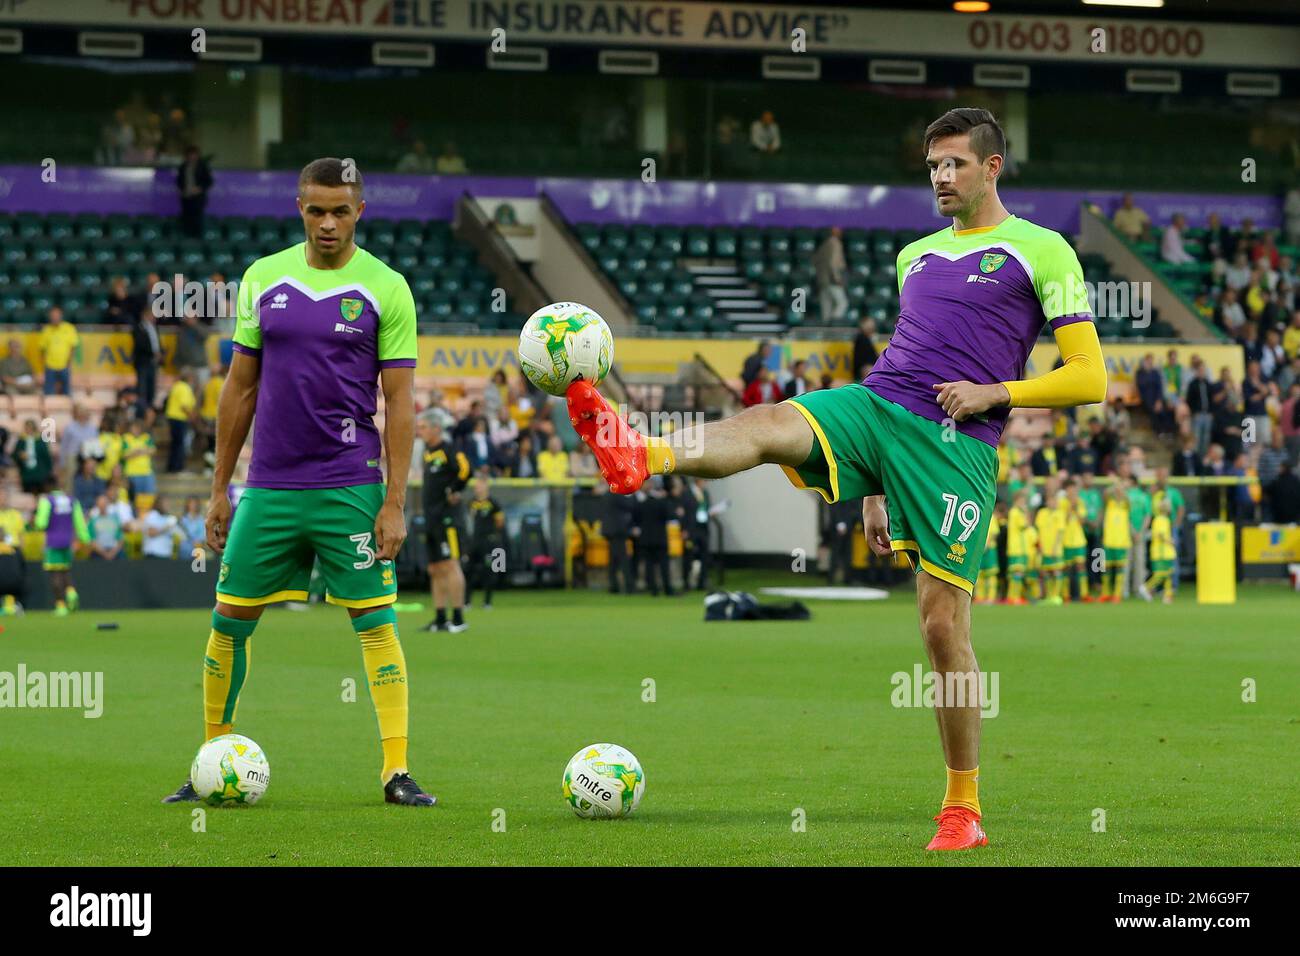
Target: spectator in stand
181	411
112	431
1118	419
1283	496
193	532
1290	338
503	430
798	383
192	346
755	363
496	394
826	381
1289	419
1083	457
1204	305
160	531
553	463
1171	242
765	134
86	485
1231	315
1045	460
416	160
1131	221
1265	252
17	375
32	456
831	270
117	139
1220	245
106	530
137	460
477	445
207	424
763	390
1187	460
77	434
1254	397
1199	403
521	461
1237	275
1272	456
864	348
451	162
122	306
1150	384
58	344
1272	357
146	355
193	179
1226	402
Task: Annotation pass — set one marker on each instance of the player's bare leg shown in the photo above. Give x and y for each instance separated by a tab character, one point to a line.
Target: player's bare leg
945	630
763	434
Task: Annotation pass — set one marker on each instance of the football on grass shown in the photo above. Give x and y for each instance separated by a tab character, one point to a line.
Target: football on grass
230	770
603	781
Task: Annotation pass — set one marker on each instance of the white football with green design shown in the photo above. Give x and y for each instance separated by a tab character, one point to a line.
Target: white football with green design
230	770
562	343
603	781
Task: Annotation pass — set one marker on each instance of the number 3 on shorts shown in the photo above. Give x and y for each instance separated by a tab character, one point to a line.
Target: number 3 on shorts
968	513
363	548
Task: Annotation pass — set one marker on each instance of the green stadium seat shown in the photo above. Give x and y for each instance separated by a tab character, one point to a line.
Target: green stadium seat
698	244
646	314
635	263
588	235
614	239
724	242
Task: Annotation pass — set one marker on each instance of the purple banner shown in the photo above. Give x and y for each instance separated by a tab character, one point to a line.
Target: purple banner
394	196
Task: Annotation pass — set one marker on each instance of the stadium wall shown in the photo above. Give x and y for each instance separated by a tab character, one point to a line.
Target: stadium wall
145	191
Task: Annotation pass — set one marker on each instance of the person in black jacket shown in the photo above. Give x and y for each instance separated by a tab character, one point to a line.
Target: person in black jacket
193	179
1187	462
1283	496
146	354
657	510
445	471
844	517
864	348
617	517
487	543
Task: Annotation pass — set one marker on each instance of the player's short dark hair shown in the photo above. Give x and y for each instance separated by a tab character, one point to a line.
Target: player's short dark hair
986	136
330	171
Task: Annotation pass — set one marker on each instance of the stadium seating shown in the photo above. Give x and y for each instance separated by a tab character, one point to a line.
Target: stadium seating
70	261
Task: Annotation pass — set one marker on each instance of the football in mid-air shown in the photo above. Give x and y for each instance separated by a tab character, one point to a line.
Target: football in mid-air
230	770
603	781
562	343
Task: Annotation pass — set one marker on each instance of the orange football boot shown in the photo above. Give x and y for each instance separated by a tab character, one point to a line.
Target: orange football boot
959	829
619	449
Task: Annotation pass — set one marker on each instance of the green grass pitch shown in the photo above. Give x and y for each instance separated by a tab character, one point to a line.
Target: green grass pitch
1134	710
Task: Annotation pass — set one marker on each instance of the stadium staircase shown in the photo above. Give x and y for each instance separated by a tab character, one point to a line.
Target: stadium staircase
734	298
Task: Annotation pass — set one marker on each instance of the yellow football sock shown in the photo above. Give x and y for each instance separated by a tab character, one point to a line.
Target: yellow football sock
1015	588
225	668
385	665
963	789
659	457
1081	577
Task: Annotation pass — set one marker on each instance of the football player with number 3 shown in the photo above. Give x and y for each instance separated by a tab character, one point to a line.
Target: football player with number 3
918	437
320	324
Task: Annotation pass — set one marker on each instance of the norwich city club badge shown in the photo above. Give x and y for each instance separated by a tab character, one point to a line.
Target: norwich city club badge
350	309
989	262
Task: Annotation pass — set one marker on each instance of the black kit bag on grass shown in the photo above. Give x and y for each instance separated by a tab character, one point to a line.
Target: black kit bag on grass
743	606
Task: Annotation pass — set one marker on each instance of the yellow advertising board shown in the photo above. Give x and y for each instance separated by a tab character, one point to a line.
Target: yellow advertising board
479	356
1270	544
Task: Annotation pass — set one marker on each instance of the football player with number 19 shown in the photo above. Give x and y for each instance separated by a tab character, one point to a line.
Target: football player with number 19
917	439
320	324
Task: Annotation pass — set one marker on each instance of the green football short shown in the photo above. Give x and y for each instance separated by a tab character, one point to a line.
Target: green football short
939	485
1161	564
1116	555
278	534
57	559
990	560
1075	554
1017	562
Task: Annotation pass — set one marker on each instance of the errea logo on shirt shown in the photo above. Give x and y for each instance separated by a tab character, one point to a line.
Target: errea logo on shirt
280	301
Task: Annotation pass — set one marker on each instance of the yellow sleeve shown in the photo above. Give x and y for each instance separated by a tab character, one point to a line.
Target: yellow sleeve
1080	381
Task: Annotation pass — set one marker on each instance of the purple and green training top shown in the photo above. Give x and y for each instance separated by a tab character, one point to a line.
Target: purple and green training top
971	306
323	336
